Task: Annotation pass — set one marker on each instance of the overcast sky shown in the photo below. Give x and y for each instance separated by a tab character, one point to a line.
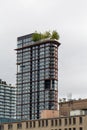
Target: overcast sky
68	17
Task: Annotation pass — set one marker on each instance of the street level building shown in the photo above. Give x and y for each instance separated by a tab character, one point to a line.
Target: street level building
7	101
61	123
37	76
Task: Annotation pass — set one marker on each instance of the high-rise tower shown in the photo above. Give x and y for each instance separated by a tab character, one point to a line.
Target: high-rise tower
37	76
7	100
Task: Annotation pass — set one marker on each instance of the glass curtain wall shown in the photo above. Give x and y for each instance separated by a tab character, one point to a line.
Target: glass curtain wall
37	78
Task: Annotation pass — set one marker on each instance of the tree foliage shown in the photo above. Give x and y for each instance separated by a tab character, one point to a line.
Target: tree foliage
38	36
46	35
55	35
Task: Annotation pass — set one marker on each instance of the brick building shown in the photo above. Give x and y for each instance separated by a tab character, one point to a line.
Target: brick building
67	106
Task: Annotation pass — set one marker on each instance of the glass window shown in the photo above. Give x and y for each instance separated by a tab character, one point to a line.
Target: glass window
34	124
56	123
42	123
46	122
10	126
65	121
69	121
60	123
30	124
80	120
74	128
52	122
26	124
47	84
74	120
80	128
39	123
70	129
19	125
65	129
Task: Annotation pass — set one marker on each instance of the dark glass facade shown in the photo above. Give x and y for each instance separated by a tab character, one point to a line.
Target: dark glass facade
37	76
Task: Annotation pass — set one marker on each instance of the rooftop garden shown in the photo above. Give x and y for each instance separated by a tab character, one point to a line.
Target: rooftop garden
40	36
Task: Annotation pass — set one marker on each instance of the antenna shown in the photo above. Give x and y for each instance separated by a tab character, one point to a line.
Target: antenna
69	96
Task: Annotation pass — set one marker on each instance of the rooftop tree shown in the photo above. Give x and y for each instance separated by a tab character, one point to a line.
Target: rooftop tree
38	36
55	35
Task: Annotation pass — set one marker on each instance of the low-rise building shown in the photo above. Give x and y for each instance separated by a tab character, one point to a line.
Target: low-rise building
61	123
66	106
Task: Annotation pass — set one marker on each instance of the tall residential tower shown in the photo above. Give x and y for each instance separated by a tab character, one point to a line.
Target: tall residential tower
7	101
37	76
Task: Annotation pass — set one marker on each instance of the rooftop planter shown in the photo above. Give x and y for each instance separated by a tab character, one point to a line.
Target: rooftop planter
41	36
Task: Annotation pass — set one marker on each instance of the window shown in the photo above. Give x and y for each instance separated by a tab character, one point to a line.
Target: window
65	121
39	124
60	122
30	124
74	128
26	124
34	125
9	126
52	123
56	123
1	127
74	120
46	122
19	126
69	121
47	84
42	123
80	128
80	120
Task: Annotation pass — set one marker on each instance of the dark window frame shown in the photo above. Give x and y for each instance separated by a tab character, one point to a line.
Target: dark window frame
80	120
60	122
52	122
27	125
74	120
46	122
10	126
19	125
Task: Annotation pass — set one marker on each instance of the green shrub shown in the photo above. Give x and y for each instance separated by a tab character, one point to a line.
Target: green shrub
38	36
46	35
55	35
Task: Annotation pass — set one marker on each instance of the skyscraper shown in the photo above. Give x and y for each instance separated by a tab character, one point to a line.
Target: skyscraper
7	100
37	76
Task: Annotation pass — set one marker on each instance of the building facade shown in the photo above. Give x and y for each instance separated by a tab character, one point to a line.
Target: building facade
7	101
37	76
67	106
60	123
49	114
